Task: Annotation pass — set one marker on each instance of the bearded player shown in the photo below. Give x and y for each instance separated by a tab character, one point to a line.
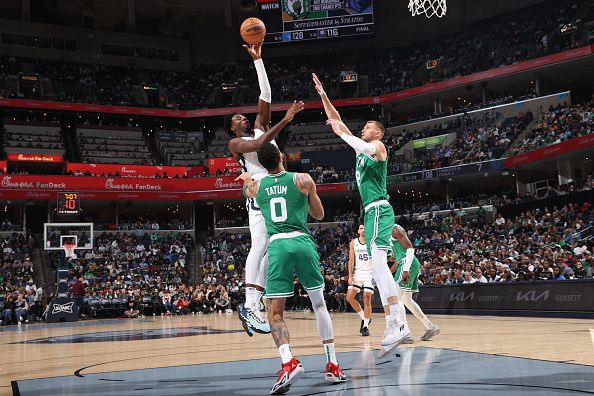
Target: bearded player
371	173
243	147
360	280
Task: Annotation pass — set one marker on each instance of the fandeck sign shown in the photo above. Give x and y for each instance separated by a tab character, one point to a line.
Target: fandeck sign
35	157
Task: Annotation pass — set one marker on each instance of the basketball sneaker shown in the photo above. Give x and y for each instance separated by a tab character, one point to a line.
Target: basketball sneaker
288	375
365	332
395	334
361	327
430	333
334	373
252	318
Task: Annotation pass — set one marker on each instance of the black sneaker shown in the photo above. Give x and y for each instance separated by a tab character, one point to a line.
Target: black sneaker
361	327
365	332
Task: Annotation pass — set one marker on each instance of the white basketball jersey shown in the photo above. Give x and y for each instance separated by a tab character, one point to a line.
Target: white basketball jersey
250	164
249	161
362	259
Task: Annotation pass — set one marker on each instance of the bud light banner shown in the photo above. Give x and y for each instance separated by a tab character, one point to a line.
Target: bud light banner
535	298
124	170
220	164
55	158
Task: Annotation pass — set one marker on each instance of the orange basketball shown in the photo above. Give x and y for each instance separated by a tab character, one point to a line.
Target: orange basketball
252	30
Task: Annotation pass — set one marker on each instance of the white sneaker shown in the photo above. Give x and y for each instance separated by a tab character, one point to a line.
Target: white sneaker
395	334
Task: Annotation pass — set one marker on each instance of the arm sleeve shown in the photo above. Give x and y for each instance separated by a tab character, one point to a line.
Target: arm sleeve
359	145
265	91
410	255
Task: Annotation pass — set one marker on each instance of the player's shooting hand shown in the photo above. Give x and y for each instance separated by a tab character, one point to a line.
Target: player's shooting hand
405	276
255	50
244	177
295	108
318	84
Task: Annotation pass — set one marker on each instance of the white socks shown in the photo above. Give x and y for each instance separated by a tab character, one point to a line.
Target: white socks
361	314
285	352
366	322
252	297
330	351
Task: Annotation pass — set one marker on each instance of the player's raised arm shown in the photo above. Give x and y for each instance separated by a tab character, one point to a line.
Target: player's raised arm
306	185
399	234
238	145
265	100
329	108
359	145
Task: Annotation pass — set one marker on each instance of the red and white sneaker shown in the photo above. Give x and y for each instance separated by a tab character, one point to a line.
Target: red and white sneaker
334	373
288	375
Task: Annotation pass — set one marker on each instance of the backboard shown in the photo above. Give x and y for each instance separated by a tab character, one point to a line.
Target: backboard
56	234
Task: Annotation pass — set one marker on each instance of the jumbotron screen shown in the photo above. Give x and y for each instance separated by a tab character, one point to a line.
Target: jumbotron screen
301	20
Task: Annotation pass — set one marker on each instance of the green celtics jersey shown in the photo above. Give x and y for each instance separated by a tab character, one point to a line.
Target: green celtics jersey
283	206
398	250
371	179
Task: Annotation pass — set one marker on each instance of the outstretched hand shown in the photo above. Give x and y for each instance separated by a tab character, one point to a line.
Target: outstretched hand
255	50
296	107
244	177
318	84
336	126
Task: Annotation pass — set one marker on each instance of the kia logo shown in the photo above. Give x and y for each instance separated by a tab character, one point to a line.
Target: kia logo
462	296
531	296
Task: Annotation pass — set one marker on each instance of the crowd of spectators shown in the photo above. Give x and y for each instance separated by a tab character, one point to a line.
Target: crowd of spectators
558	125
537	244
21	300
502	40
130	271
142	224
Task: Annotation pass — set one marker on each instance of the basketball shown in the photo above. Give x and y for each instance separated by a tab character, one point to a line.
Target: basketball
252	30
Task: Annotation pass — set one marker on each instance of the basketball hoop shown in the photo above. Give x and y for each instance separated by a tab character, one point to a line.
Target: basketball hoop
428	7
69	249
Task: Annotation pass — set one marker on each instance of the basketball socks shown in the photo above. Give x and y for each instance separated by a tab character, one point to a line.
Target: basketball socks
402	309
366	322
395	313
285	353
252	297
330	351
361	314
387	321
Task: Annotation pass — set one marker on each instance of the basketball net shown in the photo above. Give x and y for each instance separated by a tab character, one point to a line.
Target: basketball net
428	7
69	249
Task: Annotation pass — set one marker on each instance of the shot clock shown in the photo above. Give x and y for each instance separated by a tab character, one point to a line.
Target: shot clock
68	203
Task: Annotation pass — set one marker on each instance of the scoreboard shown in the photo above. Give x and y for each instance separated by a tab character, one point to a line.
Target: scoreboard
301	20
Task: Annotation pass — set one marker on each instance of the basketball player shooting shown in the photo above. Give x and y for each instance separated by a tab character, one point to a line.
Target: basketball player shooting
243	147
371	173
360	279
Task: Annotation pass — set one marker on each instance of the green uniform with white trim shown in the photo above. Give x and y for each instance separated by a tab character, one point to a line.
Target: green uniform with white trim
292	249
371	177
399	253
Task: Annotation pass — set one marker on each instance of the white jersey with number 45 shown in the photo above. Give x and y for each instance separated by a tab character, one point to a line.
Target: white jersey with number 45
363	263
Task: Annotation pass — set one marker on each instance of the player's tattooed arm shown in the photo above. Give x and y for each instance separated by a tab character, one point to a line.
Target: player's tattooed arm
306	185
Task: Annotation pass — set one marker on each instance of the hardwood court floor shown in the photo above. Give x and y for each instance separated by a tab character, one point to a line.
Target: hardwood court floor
51	350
